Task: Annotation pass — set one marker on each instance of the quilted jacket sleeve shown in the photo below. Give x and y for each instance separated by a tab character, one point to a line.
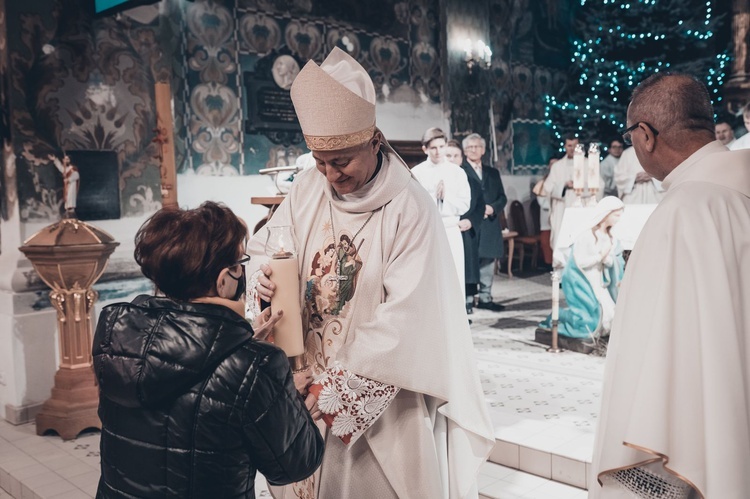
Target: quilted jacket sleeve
278	426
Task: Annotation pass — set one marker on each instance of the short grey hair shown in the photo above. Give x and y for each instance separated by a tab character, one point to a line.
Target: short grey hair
473	136
672	103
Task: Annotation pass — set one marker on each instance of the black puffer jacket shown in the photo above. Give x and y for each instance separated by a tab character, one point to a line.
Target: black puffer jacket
191	406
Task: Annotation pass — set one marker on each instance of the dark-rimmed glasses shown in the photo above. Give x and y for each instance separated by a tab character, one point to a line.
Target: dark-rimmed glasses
626	134
245	258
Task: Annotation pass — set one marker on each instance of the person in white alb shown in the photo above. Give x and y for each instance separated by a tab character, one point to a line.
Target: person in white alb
559	187
634	184
448	185
396	391
675	418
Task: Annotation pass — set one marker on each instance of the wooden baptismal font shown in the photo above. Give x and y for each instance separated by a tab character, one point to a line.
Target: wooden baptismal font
69	257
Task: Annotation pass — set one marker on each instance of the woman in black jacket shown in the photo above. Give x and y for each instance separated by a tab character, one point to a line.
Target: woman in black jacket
191	404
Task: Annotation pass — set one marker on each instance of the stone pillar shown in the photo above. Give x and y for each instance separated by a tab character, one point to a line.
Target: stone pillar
737	88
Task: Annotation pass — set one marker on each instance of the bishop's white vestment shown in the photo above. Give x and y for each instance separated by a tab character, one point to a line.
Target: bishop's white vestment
677	377
387	336
456	201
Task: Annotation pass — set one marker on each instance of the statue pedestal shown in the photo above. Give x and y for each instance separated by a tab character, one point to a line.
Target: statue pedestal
69	257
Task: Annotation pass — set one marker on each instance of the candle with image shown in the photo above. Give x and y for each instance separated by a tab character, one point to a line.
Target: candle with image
281	248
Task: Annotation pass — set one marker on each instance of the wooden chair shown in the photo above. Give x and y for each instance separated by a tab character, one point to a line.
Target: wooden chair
509	240
524	238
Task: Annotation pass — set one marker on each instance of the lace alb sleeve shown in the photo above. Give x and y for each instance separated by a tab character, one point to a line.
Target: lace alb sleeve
350	403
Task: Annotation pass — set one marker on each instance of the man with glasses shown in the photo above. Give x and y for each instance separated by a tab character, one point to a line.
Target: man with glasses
676	398
396	393
634	184
491	244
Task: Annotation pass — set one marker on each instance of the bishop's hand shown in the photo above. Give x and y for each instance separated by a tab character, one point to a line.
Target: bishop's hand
265	286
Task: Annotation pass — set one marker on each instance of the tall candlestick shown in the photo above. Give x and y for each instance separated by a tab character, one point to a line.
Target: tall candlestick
555	296
554	348
285	275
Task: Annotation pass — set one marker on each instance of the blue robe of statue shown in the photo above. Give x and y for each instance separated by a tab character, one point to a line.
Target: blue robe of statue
582	317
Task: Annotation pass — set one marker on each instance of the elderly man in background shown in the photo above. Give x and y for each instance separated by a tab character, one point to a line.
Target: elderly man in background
396	392
676	399
490	232
744	141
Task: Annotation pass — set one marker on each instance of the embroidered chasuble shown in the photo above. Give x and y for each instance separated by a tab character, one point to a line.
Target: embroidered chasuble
387	337
676	395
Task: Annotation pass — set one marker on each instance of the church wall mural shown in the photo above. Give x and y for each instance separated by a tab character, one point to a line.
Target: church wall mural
531	58
79	83
243	54
83	83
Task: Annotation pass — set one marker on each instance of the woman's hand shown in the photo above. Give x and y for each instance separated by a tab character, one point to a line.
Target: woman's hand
302	381
264	323
311	402
265	286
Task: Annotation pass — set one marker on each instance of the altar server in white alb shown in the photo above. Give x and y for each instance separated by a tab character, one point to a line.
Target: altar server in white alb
559	187
386	332
676	402
634	184
448	185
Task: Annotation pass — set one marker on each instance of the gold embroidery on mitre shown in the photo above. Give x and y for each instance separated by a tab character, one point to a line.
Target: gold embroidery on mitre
336	142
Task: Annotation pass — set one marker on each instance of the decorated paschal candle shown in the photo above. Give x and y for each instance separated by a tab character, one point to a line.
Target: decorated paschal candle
282	250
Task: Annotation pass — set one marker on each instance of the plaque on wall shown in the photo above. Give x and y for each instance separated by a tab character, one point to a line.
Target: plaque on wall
269	105
99	188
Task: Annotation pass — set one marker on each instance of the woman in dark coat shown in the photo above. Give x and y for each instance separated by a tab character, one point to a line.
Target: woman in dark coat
191	403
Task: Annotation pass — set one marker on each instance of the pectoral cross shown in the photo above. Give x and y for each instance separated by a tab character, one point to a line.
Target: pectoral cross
337	278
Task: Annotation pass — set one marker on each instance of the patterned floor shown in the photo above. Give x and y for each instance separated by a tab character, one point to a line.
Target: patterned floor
544	407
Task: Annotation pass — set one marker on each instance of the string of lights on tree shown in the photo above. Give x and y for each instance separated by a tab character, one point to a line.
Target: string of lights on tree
620	43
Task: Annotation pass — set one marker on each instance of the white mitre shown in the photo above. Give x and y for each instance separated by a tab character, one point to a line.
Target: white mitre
335	103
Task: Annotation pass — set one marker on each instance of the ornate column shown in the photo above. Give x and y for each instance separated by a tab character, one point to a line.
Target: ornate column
70	256
737	89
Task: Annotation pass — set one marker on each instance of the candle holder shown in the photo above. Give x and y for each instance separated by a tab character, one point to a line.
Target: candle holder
554	348
281	248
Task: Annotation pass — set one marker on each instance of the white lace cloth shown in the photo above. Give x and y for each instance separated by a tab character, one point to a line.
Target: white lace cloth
353	402
644	483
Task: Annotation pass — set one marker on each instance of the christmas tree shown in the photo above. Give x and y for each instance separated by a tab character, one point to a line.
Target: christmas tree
619	43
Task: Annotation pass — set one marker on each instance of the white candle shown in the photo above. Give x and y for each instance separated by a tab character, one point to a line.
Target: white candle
593	166
579	163
288	331
555	296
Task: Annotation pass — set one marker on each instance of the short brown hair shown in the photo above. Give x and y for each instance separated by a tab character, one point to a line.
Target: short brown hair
453	143
431	134
183	251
